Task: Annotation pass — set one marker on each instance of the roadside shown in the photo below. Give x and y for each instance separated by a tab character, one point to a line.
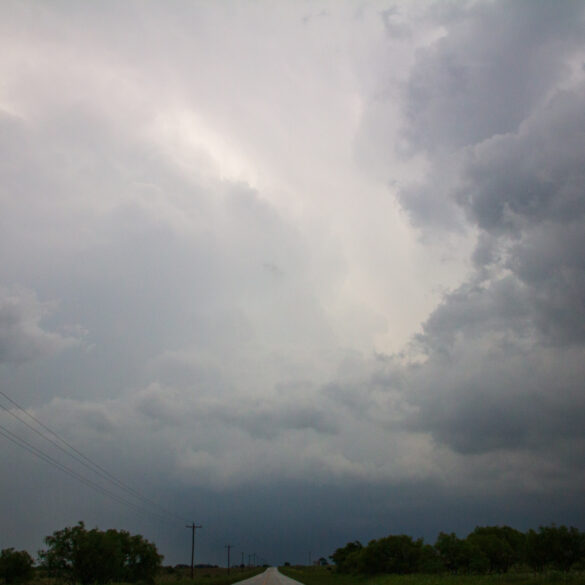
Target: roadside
328	576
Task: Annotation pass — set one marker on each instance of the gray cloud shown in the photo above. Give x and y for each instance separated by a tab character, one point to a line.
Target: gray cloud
494	64
503	352
532	175
195	200
490	395
527	201
269	421
488	79
22	336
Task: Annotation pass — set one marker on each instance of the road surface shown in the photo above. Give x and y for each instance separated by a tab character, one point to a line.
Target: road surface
270	577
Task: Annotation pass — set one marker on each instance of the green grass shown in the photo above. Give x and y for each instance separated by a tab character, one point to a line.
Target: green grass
212	576
202	576
326	576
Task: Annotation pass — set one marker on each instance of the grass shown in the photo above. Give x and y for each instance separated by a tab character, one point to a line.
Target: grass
326	576
208	576
202	576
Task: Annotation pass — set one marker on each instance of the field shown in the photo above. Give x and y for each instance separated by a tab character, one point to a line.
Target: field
207	576
202	576
325	576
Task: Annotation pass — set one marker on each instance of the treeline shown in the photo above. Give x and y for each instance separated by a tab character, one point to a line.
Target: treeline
77	555
488	549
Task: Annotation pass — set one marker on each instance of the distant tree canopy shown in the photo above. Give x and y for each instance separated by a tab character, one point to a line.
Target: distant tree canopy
555	546
346	558
488	549
77	555
15	566
392	554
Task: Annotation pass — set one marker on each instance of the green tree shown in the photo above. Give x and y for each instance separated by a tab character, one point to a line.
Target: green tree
391	554
500	546
77	555
141	559
346	558
15	566
554	546
460	556
430	562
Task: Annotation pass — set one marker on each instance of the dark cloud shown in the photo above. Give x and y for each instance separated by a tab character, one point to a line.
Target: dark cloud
498	396
504	351
525	193
530	176
486	80
477	310
495	62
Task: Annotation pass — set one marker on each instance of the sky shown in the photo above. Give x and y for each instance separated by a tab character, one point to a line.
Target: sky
300	272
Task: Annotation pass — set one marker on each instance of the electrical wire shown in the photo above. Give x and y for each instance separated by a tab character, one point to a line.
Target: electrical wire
64	468
82	459
86	462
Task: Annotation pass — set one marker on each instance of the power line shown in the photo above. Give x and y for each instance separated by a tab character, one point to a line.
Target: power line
88	482
81	461
81	458
39	453
142	504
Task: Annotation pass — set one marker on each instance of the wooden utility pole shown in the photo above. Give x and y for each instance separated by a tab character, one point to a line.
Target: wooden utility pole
229	547
193	527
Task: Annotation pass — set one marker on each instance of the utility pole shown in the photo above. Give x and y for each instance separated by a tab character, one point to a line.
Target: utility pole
229	547
193	527
242	563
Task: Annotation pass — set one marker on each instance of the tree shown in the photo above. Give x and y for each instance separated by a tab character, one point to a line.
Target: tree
142	560
346	558
502	546
15	566
77	555
429	561
392	554
554	546
460	556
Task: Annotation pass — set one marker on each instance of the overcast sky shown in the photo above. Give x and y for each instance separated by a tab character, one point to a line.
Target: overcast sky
303	272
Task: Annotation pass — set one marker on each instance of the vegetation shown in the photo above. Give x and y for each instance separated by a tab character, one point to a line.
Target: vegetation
167	576
487	550
326	576
15	566
490	555
77	555
206	575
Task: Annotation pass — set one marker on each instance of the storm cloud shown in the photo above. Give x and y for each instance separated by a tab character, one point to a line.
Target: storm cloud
315	265
503	352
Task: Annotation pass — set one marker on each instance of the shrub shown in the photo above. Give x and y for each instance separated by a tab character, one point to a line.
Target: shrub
15	566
